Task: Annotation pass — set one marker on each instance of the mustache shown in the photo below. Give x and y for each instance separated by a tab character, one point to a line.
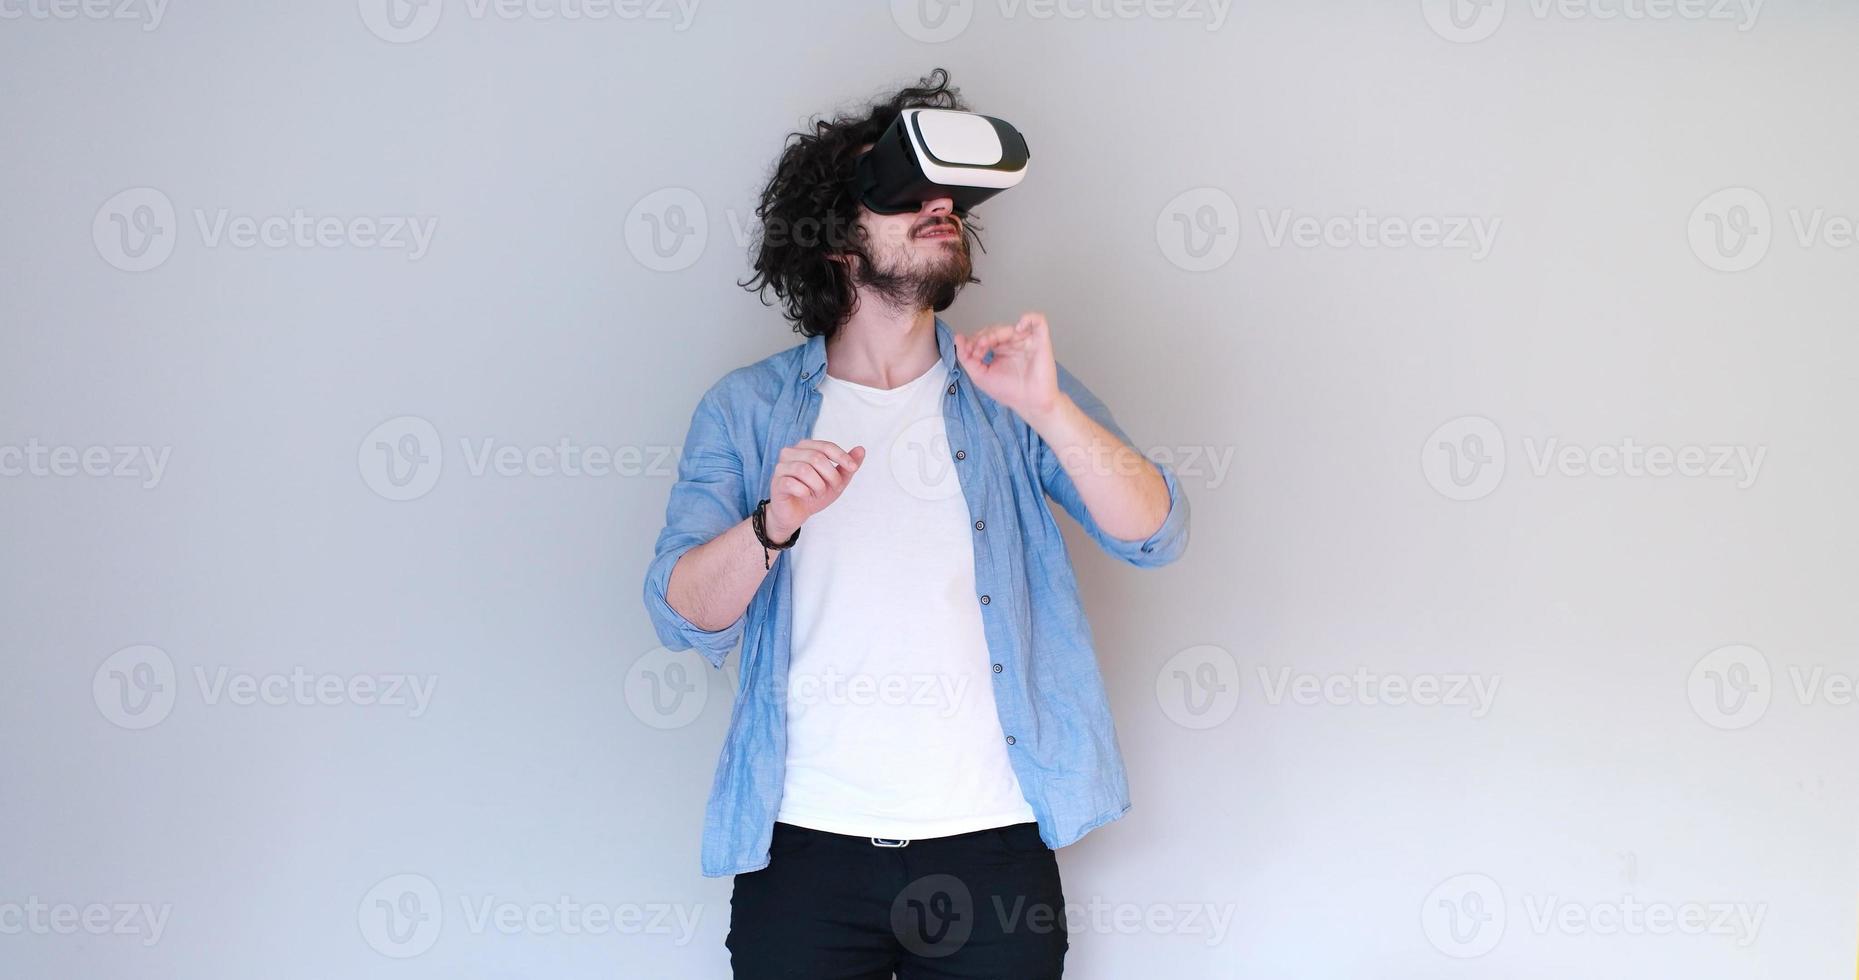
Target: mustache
935	223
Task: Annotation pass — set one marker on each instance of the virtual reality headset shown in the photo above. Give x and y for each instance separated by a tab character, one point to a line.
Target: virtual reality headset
931	153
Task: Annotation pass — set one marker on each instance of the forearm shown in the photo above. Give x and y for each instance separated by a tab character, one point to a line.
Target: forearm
711	584
1123	490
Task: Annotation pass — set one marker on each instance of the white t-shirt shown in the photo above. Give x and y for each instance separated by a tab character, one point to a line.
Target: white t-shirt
892	730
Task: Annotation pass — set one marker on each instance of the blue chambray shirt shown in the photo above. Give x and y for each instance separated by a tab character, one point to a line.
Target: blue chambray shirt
1061	742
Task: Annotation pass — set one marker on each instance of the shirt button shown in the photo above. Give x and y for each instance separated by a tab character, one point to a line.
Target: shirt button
1010	740
961	454
981	525
952	388
984	600
997	668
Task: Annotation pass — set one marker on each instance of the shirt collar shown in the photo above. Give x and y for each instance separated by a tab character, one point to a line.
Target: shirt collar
813	356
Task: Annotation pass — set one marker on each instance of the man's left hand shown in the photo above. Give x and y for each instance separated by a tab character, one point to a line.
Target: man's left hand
1023	375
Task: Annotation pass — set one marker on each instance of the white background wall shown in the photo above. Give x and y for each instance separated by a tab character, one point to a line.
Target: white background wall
1626	761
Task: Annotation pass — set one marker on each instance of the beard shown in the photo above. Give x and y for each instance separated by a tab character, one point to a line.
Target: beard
914	282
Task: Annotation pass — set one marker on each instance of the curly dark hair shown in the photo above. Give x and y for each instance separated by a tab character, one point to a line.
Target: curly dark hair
809	210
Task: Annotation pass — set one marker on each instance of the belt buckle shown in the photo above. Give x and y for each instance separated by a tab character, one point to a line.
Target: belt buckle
889	842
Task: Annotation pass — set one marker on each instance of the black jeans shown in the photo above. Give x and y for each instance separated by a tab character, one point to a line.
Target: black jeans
979	906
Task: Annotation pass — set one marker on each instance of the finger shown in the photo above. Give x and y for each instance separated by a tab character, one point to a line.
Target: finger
1014	342
787	486
835	472
831	472
965	352
830	450
805	474
1038	330
819	451
989	336
843	472
982	343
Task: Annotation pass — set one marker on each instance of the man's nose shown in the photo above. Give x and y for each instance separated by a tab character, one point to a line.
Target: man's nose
939	205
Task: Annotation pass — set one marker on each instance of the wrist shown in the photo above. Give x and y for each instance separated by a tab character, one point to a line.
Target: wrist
779	526
1042	417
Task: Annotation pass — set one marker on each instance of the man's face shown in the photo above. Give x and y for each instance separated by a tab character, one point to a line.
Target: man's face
918	258
925	241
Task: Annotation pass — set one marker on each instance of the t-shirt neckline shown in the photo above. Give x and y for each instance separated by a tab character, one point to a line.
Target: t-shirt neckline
897	392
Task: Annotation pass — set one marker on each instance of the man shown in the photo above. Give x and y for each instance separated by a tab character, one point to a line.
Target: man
920	719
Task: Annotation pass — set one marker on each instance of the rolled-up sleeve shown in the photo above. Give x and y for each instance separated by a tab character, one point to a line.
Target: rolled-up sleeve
707	500
1167	543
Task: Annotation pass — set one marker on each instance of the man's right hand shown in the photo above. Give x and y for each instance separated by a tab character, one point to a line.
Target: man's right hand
809	475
